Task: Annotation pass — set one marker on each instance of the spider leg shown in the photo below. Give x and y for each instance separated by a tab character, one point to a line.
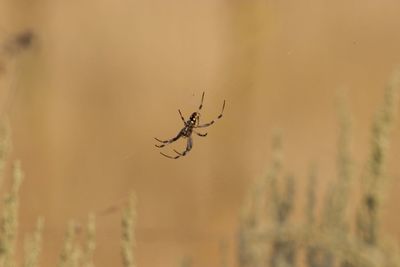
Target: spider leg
183	119
189	146
201	103
200	134
166	142
213	121
170	157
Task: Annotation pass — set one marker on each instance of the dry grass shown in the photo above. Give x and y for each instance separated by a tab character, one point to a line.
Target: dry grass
267	236
79	244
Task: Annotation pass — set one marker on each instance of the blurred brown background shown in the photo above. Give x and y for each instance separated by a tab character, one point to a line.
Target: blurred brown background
105	77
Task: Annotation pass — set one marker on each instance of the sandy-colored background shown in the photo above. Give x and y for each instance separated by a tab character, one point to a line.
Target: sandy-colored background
105	77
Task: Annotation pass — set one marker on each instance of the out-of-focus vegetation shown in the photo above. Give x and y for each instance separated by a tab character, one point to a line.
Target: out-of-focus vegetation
79	242
336	235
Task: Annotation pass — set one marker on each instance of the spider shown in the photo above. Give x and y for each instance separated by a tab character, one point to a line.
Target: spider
190	125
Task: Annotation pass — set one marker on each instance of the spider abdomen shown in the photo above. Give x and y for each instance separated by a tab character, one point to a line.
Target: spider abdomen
187	131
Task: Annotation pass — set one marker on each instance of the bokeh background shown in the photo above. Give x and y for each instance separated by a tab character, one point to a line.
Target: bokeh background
104	77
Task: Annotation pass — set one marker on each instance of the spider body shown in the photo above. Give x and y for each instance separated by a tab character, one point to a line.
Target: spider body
186	132
190	124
